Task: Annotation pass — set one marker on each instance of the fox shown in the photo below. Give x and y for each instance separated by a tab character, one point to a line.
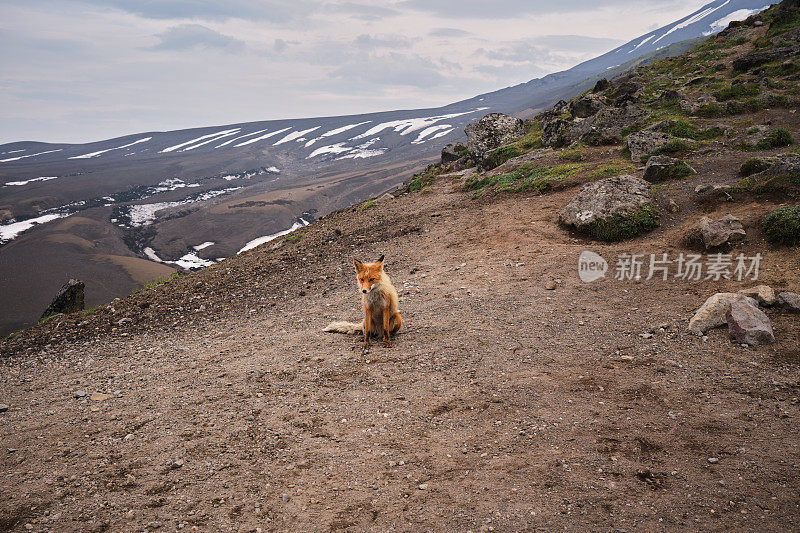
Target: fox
380	303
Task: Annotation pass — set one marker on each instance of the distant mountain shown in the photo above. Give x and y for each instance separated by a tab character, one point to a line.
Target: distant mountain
119	212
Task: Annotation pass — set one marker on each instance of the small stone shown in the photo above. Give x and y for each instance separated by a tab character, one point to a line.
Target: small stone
551	285
12	450
749	325
423	486
713	460
100	397
285	497
790	301
763	294
3	408
80	393
130	514
646	335
29	526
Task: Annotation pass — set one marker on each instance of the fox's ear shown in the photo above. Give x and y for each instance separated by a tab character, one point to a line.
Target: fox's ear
358	264
381	259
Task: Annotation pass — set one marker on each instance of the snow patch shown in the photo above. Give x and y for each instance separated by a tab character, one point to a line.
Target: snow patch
338	148
428	131
204	245
295	135
201	138
229	141
740	14
25	182
261	240
694	18
336	131
410	125
11	230
29	155
95	154
260	138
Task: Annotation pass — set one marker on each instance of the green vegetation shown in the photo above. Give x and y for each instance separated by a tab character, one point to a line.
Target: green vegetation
740	90
678	171
293	237
710	110
775	139
525	178
92	310
644	219
160	281
679	127
752	166
571	154
674	146
763	184
783	226
610	170
48	318
366	205
424	178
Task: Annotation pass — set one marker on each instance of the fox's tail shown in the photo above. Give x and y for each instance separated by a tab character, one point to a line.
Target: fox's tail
349	328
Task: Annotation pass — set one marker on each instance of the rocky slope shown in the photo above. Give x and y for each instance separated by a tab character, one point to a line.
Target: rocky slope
121	212
519	395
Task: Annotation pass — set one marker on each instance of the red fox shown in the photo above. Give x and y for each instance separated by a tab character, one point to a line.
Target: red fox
379	300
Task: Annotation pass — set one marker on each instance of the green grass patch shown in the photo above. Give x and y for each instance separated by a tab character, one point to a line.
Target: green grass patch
421	179
526	178
674	146
783	226
646	218
48	318
92	310
571	154
160	281
738	91
609	170
776	138
752	166
366	205
710	110
293	237
531	140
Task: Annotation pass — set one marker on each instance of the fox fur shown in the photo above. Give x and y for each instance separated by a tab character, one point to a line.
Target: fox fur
379	302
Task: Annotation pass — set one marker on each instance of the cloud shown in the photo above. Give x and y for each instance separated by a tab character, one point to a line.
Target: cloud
193	36
577	43
392	69
272	10
370	42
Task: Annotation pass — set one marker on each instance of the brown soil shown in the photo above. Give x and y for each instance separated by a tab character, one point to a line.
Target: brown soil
502	406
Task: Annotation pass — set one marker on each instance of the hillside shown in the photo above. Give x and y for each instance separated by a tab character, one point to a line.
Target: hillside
516	397
118	213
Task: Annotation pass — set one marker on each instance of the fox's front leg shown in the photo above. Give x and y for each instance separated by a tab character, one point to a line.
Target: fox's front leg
387	328
366	326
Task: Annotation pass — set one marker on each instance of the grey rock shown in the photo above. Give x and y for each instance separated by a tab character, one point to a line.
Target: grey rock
757	59
555	130
643	143
606	199
492	131
712	313
763	294
662	167
80	393
586	106
452	153
726	230
606	126
748	324
68	299
3	408
790	301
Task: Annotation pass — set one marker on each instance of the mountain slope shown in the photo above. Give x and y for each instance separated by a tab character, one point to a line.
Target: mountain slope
118	211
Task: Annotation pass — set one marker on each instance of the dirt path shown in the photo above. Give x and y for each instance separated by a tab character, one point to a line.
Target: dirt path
503	406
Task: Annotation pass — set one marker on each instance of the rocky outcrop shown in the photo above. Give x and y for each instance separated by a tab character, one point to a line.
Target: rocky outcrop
644	143
555	131
68	299
748	324
713	312
661	168
790	301
607	125
726	230
492	131
763	294
607	203
756	59
586	106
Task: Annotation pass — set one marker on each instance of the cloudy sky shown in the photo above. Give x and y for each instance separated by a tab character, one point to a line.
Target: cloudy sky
77	71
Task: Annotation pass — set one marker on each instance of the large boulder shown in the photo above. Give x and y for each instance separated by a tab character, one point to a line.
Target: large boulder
492	131
713	312
763	294
757	59
644	143
661	168
748	324
607	125
586	106
555	130
68	299
606	203
726	230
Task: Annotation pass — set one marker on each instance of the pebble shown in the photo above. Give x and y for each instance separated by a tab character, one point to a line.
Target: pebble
285	497
80	393
423	486
551	285
3	408
713	460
